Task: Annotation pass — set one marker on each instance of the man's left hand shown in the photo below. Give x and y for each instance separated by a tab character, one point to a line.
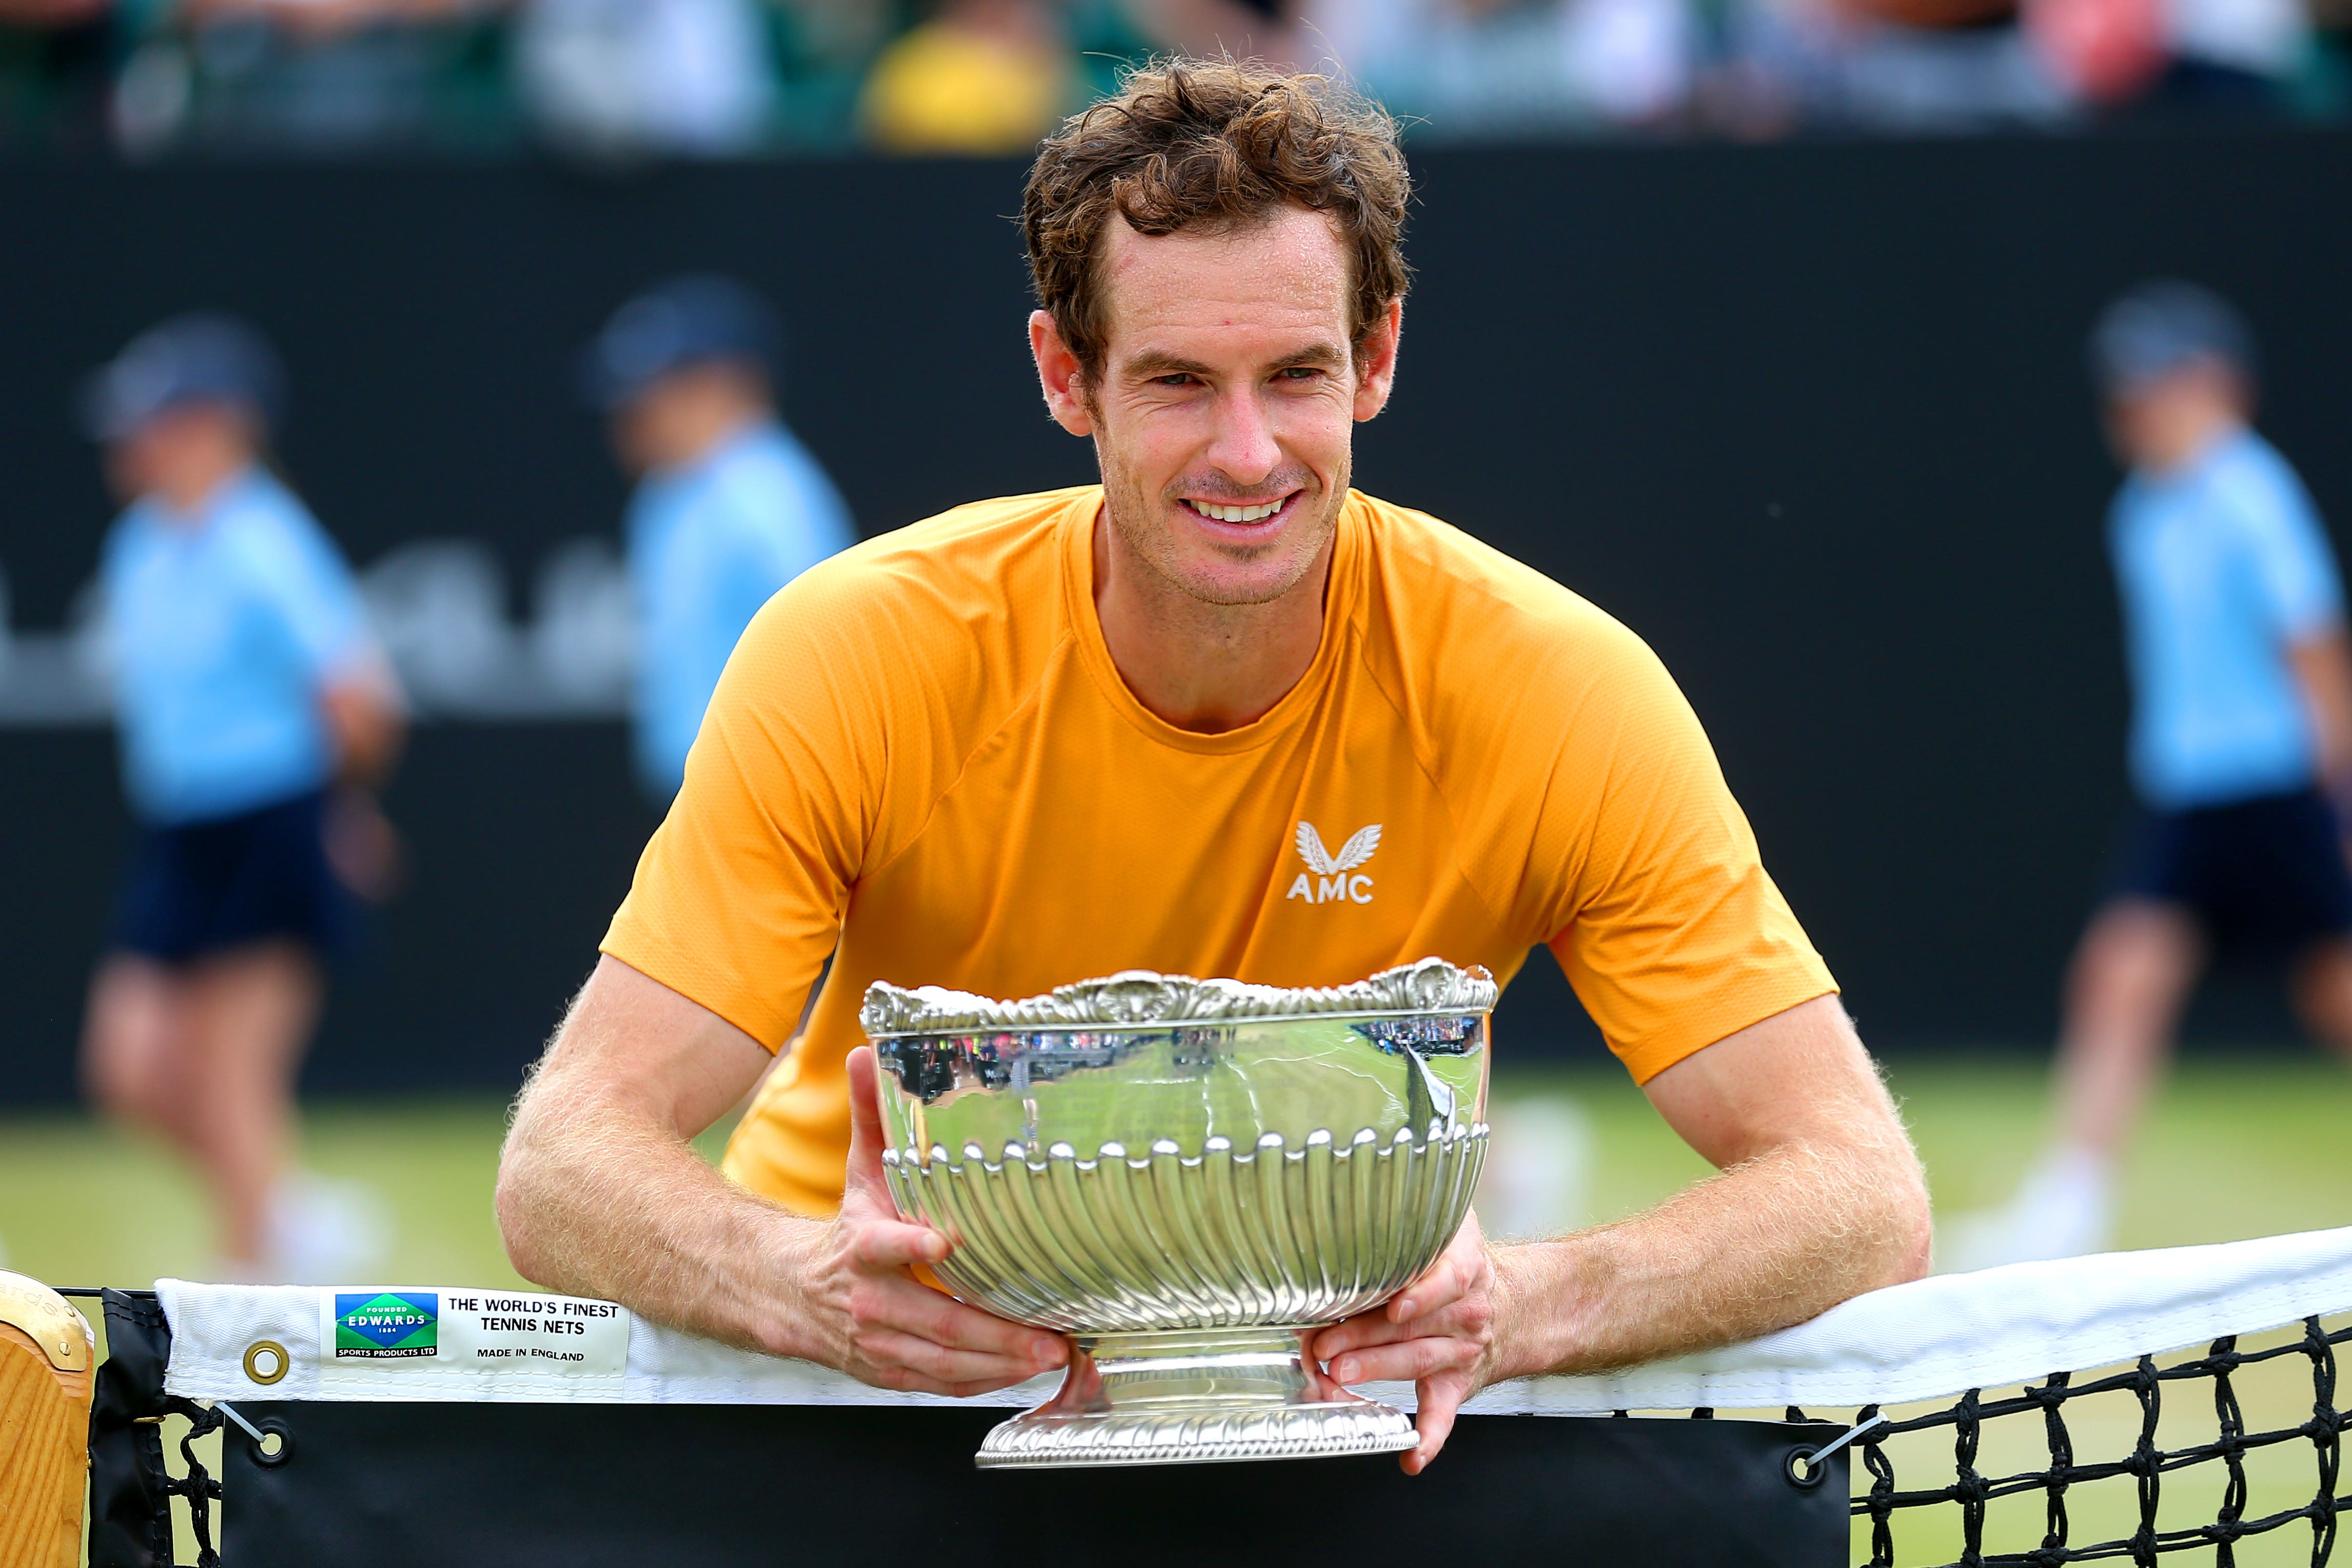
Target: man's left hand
1444	1334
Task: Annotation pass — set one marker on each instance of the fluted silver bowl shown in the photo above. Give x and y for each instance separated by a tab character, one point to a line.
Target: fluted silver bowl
1186	1175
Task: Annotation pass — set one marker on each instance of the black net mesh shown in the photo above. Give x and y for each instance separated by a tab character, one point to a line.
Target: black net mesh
1924	1514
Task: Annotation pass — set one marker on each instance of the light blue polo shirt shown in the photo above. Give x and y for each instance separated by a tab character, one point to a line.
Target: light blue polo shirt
708	544
226	628
2223	564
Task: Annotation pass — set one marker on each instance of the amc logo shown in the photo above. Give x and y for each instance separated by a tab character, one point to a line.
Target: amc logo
1334	877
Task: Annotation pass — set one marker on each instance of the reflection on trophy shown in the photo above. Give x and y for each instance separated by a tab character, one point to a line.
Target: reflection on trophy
1187	1178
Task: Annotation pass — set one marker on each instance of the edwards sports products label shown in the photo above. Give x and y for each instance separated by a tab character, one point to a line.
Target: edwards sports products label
388	1326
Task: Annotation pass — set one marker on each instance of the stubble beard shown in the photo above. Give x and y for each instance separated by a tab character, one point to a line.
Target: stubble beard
1135	518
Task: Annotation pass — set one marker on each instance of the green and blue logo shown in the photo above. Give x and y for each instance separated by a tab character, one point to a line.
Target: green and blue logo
388	1326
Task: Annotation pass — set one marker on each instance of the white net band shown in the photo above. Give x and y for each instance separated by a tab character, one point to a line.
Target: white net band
1930	1339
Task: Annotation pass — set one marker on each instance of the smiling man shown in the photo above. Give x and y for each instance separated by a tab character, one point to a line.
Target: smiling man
1055	736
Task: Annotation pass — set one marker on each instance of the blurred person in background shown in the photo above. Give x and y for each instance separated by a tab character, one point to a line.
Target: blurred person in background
1902	66
1468	67
729	505
315	76
256	712
979	77
2179	59
614	77
2241	749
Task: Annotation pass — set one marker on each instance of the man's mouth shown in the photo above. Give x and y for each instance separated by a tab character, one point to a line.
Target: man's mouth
1239	512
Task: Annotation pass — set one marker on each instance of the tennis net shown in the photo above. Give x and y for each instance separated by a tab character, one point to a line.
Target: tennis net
2212	1512
2171	1407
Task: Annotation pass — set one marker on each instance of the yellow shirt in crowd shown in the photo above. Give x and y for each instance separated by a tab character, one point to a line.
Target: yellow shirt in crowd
921	749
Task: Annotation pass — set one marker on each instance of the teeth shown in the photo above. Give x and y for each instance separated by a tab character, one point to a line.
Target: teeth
1235	513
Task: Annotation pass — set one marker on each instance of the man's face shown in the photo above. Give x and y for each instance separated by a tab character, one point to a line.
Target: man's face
1228	400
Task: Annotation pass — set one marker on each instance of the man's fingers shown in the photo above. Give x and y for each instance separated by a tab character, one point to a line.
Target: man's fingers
1367	1329
1460	1266
908	1308
1357	1333
1408	1361
1440	1401
865	1123
939	1368
895	1244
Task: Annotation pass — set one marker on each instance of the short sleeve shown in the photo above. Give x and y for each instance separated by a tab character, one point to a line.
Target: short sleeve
768	530
740	894
312	591
2294	567
1673	934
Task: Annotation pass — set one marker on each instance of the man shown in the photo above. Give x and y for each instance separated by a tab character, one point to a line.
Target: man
256	711
1039	738
2242	732
729	507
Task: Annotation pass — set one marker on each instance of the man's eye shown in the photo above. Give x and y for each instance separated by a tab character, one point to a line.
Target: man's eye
1297	372
1179	378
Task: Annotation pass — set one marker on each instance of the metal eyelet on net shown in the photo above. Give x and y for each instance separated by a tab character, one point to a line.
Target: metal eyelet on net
258	1348
1807	1467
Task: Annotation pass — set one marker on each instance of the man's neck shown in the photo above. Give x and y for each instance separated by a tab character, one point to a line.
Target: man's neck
1202	667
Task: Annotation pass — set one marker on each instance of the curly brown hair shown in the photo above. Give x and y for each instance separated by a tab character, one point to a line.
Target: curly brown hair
1211	144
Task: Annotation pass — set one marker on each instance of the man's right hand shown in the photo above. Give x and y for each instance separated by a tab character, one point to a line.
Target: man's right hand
871	1317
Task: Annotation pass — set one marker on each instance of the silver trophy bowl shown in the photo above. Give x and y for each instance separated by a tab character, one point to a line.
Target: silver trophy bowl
1187	1178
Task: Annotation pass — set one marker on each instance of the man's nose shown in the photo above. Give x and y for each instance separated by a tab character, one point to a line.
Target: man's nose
1244	447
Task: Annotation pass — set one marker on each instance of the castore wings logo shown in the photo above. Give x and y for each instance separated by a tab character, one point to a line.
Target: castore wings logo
1334	878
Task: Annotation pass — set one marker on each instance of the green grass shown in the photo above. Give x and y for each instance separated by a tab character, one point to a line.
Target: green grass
2237	1146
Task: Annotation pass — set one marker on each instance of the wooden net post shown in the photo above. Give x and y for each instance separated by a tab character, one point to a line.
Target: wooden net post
47	1357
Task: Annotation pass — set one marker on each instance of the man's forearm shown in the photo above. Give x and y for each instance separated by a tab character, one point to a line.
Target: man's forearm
1768	1243
596	1200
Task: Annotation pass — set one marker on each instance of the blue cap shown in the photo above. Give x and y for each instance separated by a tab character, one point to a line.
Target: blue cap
698	319
2155	328
197	358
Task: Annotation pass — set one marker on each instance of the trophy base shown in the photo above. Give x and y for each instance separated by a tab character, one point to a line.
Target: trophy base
1194	1396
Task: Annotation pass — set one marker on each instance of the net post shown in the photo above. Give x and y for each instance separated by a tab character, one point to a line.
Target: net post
46	1360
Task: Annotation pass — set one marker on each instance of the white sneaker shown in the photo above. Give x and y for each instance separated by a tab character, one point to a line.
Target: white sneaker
2065	1208
324	1232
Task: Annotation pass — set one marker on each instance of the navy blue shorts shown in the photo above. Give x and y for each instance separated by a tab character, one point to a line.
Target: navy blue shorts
2267	873
201	888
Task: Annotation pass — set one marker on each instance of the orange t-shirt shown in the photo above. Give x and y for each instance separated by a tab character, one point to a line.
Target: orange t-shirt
921	750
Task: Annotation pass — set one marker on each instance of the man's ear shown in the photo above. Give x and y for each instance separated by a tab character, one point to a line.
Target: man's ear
1059	373
1376	361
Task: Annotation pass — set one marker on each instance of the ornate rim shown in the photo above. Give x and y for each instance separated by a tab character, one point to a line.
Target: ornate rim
1136	998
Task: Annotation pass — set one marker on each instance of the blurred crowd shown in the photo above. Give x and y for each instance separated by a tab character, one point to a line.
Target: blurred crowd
619	79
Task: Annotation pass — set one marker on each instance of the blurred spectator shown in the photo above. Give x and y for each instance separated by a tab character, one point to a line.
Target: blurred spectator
2240	750
979	77
728	507
311	76
2176	57
1901	66
646	76
256	710
1484	67
621	80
